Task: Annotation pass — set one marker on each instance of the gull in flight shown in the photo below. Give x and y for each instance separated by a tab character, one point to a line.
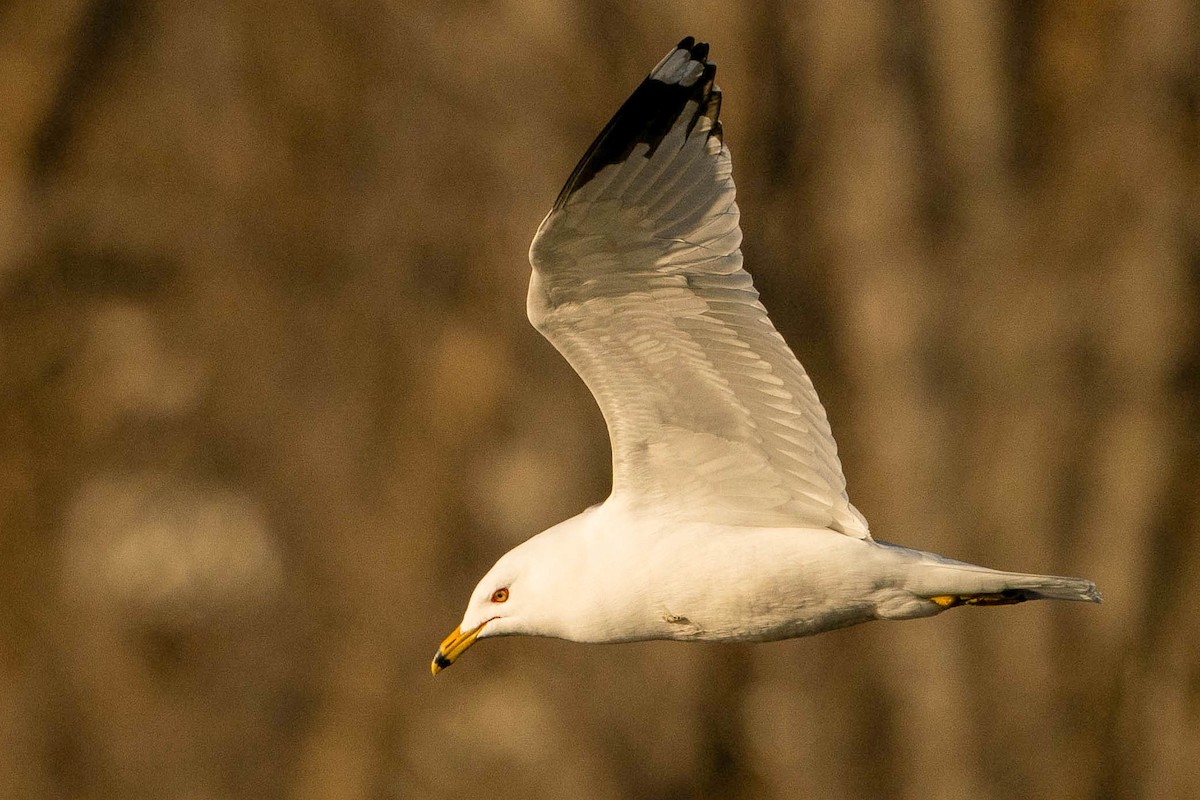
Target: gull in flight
728	518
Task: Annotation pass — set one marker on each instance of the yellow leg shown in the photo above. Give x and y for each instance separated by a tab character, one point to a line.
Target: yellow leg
1005	598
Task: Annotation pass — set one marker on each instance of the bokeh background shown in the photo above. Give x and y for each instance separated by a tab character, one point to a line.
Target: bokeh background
269	404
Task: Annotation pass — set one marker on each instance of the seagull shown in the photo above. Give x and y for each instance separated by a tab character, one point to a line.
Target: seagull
728	518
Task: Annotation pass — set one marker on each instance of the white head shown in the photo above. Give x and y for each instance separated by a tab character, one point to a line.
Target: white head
532	590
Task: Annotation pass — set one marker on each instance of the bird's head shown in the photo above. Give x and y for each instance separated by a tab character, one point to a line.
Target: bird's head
522	594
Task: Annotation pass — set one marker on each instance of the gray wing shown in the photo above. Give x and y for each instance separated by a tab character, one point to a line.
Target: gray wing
638	281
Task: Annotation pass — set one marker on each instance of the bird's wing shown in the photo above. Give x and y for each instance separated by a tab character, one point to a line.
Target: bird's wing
638	281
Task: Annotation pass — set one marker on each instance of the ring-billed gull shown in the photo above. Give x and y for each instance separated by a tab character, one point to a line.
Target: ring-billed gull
728	518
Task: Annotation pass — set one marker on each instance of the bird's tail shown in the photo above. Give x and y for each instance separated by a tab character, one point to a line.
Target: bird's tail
952	583
1016	587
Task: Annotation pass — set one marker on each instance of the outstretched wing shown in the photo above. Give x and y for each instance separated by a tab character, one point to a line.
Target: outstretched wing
638	281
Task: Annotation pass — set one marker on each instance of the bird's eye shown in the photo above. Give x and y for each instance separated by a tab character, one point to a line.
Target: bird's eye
500	595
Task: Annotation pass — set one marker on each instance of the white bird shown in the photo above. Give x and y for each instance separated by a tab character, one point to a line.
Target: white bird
728	518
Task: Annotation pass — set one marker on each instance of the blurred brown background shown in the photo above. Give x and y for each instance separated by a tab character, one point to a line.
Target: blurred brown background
269	405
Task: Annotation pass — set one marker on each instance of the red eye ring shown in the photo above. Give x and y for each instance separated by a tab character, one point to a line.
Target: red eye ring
500	595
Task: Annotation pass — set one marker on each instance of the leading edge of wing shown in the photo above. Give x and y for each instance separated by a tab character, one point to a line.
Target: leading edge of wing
684	75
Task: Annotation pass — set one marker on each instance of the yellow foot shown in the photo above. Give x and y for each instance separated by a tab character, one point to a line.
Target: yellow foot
1005	598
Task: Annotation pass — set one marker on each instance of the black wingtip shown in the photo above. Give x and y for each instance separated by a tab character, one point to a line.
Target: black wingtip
651	111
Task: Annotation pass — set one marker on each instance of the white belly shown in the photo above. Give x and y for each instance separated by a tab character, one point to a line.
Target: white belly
765	584
744	584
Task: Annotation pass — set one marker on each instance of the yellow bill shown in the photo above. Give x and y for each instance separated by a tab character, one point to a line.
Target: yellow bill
453	647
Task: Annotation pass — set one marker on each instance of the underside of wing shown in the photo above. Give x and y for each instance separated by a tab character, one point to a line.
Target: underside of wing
638	281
